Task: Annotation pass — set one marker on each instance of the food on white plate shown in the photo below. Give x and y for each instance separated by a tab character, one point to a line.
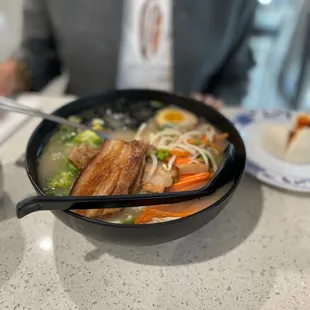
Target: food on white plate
298	142
274	139
289	143
173	151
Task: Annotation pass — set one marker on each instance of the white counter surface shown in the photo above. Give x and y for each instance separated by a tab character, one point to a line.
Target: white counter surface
254	255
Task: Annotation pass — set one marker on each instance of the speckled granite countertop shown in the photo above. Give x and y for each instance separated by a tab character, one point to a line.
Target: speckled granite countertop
254	255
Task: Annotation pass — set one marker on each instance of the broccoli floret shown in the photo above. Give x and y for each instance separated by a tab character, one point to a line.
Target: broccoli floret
50	192
87	136
129	219
97	124
64	129
61	183
97	121
68	129
73	170
162	154
75	119
64	134
156	104
62	180
67	136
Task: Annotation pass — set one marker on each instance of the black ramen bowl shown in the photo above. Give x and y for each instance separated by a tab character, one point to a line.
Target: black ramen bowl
132	107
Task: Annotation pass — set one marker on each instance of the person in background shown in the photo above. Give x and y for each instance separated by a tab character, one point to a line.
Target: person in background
189	47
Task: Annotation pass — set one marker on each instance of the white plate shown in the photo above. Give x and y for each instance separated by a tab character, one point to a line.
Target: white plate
260	163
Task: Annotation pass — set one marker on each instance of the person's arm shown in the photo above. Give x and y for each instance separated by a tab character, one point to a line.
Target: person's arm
37	51
230	82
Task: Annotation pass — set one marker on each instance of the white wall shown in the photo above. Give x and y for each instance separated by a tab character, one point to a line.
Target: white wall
10	26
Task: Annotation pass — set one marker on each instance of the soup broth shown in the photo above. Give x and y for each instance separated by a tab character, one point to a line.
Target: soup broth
170	150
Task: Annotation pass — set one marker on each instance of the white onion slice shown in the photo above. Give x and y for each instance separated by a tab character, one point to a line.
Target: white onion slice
154	167
200	150
140	131
169	132
210	156
170	163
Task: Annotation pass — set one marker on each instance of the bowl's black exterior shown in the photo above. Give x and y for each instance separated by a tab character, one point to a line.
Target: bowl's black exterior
139	234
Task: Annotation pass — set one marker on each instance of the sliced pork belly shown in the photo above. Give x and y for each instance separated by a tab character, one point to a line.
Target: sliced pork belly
81	155
117	169
160	180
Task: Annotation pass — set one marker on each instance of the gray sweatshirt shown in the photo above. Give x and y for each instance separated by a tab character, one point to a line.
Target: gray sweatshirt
211	53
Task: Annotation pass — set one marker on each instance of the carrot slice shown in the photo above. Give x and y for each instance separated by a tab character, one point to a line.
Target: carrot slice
182	160
203	140
194	178
188	181
144	217
185	183
184	177
177	210
187	207
189	187
180	153
198	176
186	160
147	215
197	141
189	176
173	210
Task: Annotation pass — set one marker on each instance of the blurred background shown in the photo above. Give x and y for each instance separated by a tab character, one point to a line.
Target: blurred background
280	41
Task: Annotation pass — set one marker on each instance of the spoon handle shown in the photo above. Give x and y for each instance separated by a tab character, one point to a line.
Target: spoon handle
52	203
10	105
49	203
